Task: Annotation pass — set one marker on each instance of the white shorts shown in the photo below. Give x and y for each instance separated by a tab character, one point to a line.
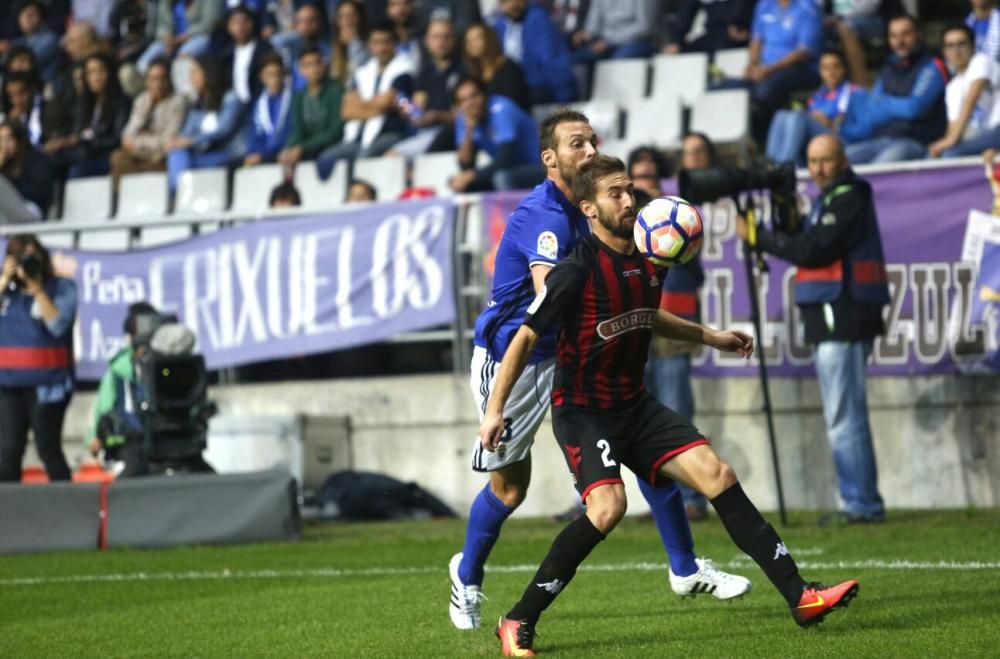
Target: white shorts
524	412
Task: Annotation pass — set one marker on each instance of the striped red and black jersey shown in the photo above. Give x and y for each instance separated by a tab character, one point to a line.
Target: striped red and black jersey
605	303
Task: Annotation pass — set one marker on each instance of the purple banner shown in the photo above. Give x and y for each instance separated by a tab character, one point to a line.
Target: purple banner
922	215
276	288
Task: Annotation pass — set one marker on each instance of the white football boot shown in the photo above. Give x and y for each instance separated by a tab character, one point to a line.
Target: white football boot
710	579
464	608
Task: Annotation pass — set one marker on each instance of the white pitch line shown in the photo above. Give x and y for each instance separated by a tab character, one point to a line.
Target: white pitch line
334	573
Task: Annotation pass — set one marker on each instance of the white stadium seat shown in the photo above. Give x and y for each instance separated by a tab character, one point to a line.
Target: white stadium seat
317	194
252	187
433	170
201	191
682	76
621	81
387	174
654	121
152	236
616	148
732	61
57	239
87	199
142	196
722	115
104	240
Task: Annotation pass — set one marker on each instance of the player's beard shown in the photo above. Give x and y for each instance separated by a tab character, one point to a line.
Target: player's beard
567	170
618	228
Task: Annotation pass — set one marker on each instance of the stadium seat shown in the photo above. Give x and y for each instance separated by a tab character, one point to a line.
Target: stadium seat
152	236
201	191
321	195
616	148
723	115
732	61
57	239
679	76
387	174
432	170
87	199
621	81
104	240
654	121
252	187
142	196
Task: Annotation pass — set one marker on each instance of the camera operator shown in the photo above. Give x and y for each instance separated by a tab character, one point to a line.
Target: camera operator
840	288
37	311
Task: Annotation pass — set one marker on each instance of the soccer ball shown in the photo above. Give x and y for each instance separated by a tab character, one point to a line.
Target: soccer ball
669	231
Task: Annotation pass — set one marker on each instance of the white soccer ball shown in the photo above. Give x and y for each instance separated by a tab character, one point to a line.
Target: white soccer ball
669	231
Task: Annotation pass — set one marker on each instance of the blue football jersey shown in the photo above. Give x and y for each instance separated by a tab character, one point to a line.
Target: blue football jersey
544	228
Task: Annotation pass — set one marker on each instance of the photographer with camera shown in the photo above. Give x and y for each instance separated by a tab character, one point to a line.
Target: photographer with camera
37	311
841	288
149	425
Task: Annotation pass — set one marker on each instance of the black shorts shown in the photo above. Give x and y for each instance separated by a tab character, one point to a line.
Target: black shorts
643	437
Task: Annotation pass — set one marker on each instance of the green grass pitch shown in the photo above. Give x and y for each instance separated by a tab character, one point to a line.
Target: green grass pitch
929	588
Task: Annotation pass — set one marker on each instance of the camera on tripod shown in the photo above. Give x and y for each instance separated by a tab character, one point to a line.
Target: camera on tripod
713	183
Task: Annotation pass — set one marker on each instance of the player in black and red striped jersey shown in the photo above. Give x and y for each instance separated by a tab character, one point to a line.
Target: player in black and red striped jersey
605	295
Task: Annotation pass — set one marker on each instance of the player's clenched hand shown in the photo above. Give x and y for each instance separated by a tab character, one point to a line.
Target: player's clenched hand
491	431
733	341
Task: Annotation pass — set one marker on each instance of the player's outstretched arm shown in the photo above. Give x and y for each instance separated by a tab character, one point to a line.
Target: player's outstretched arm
674	327
514	361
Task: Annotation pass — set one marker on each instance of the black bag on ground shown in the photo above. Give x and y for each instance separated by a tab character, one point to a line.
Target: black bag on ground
354	495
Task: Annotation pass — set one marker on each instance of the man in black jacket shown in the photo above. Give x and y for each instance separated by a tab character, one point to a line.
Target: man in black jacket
840	288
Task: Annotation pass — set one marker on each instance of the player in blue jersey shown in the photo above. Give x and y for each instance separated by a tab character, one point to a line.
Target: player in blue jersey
543	229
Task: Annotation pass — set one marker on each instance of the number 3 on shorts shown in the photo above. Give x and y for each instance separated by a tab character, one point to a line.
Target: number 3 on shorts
605	453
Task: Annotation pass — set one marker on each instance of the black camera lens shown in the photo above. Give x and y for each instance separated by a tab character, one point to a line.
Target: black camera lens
31	265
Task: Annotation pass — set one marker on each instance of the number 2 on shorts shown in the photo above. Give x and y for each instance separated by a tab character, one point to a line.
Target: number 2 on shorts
605	451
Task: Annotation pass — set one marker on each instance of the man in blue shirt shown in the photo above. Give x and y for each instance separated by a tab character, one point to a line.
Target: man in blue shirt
496	125
539	233
786	39
532	39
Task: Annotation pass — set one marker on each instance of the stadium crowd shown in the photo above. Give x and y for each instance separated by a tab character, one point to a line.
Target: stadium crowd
94	87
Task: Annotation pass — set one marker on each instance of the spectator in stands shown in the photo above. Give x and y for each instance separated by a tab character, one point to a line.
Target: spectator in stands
435	82
279	22
211	136
133	28
285	195
482	58
669	366
785	43
569	16
856	22
984	19
22	103
404	20
906	109
828	108
37	36
316	118
499	127
616	29
26	171
37	311
99	119
360	190
308	33
93	12
841	290
348	50
79	43
270	117
534	42
157	117
727	25
461	13
972	98
372	108
244	55
183	27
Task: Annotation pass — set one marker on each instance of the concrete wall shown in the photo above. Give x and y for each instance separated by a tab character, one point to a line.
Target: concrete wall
937	439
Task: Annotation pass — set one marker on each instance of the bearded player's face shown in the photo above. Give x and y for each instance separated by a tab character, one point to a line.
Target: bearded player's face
616	205
576	143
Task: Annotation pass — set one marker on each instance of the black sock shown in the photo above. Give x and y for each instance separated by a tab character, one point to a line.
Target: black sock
569	549
760	541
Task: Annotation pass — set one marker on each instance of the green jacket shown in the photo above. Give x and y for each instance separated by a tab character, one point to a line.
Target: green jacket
316	120
120	370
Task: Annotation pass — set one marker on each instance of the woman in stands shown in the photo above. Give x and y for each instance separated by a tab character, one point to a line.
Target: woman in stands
211	136
348	50
22	79
36	357
23	168
483	59
157	117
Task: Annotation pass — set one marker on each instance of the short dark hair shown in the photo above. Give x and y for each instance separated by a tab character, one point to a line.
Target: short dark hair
270	58
464	79
960	27
367	186
37	4
835	52
591	172
905	17
285	192
649	153
310	50
547	129
385	26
